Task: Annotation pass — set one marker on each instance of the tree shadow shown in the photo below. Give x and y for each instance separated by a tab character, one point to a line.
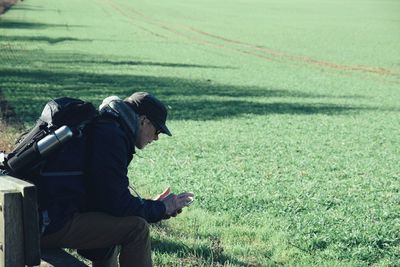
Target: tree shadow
188	99
139	63
7	112
191	87
213	253
14	24
31	8
42	39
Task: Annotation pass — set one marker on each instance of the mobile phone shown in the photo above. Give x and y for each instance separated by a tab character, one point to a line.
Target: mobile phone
190	202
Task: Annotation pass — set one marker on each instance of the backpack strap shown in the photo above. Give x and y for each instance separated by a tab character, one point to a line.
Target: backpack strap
89	144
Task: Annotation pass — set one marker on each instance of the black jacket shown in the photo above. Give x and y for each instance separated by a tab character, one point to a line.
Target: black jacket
90	174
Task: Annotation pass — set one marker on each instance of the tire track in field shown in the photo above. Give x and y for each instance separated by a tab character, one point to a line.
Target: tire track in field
121	11
164	27
249	48
304	59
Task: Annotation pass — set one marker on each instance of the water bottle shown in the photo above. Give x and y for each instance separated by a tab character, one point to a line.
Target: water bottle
22	161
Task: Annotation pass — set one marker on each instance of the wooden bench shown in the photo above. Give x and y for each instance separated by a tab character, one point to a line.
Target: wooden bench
19	229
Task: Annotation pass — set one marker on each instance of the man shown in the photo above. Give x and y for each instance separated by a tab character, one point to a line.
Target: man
83	190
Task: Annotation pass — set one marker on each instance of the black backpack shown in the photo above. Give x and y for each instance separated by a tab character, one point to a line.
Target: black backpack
61	120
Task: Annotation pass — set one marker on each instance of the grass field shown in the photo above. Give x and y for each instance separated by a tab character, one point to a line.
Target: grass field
285	116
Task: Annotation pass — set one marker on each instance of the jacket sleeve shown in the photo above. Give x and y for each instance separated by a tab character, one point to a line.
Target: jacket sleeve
108	181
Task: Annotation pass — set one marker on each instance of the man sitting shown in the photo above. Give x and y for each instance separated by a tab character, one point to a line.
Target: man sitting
84	197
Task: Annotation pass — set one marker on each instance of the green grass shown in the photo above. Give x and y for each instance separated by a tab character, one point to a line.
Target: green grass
285	116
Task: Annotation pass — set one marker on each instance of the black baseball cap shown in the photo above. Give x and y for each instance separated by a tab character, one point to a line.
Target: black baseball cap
144	103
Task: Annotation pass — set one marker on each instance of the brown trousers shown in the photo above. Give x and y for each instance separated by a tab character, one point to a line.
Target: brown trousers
99	230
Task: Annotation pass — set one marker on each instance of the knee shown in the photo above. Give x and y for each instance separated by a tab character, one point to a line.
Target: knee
143	225
139	228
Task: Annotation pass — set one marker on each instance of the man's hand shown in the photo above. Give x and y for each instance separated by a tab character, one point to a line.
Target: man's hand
164	194
174	203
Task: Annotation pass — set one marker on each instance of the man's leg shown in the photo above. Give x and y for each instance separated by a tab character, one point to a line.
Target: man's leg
101	257
111	261
100	230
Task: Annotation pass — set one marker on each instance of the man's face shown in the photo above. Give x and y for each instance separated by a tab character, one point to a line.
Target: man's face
147	132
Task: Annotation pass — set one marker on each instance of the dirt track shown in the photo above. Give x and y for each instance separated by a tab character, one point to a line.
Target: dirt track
221	42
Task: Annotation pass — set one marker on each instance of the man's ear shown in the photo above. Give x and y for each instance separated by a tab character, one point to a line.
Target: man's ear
142	118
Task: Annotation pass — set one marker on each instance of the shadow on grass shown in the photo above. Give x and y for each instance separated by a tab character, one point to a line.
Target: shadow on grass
13	24
31	8
139	63
7	112
188	99
41	39
208	254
